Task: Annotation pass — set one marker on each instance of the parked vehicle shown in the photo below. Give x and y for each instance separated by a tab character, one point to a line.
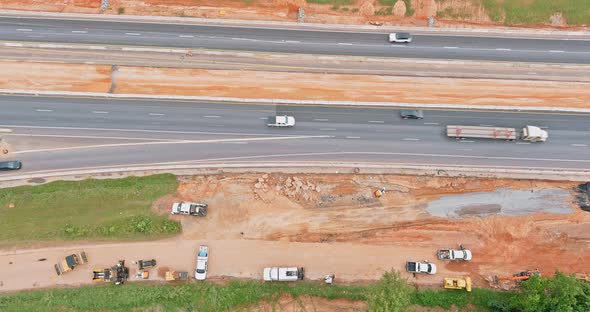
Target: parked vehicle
10	165
454	254
457	283
146	264
202	262
193	209
70	262
117	274
281	121
411	114
176	276
529	133
283	274
400	37
421	267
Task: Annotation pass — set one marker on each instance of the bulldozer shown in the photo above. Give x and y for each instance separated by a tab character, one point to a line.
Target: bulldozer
117	274
517	277
457	283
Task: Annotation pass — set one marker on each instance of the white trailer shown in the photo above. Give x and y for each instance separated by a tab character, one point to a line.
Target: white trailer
287	274
529	133
281	121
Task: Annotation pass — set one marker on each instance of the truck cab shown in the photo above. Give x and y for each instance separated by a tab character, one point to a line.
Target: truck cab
534	134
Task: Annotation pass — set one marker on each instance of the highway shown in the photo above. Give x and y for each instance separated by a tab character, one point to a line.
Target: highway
51	133
293	41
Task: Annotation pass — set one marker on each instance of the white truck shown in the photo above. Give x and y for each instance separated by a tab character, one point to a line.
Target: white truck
528	133
193	209
202	263
455	254
285	274
281	121
421	267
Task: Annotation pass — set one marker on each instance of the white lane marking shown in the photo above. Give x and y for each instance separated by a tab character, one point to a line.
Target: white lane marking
410	139
211	116
263	118
156	114
12	44
376	121
90	137
140	130
24	29
451	47
173	142
502	49
132	34
579	145
292	41
89	63
523	143
466	141
244	39
99	112
353	137
79	31
327	129
482	125
344	43
431	123
234	142
320	119
556	51
186	36
544	128
44	110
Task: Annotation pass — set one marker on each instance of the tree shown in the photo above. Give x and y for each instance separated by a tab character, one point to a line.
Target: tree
391	294
557	294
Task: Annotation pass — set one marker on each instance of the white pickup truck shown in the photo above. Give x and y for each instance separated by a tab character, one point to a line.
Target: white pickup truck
455	254
289	274
281	121
421	267
202	263
193	209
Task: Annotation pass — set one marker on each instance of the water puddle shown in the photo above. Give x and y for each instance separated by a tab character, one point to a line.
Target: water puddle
502	202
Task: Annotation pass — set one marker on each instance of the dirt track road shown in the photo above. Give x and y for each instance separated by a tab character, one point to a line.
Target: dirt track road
235	258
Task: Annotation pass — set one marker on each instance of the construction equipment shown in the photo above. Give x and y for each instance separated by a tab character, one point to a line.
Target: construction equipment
70	262
142	275
457	283
176	276
117	274
379	193
146	264
518	277
529	133
455	254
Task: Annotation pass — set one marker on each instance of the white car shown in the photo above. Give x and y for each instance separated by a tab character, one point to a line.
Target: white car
202	259
281	121
400	38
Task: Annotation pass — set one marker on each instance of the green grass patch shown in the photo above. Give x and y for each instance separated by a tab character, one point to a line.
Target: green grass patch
387	2
385	11
576	12
89	209
409	10
480	298
332	2
187	297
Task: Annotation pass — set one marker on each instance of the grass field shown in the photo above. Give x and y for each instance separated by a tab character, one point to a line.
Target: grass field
209	297
89	209
577	12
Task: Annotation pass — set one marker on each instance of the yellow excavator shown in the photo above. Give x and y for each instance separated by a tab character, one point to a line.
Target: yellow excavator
457	283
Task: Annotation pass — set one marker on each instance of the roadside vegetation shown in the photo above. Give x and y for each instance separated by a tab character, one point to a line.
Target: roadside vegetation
576	12
109	209
390	294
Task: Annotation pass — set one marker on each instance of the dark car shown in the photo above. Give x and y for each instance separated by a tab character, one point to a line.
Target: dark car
10	165
412	114
145	264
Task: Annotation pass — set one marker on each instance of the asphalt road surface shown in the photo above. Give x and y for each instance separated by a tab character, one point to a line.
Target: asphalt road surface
51	133
293	41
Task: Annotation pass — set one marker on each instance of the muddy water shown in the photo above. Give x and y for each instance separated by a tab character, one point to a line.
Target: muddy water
504	202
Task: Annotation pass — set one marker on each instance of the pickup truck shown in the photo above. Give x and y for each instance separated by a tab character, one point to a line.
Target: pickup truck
202	263
193	209
454	254
70	262
420	267
281	121
286	274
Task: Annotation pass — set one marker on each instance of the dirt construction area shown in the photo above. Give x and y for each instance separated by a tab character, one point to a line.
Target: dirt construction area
336	224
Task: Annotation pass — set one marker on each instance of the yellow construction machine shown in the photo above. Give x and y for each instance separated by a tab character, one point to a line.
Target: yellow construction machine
457	283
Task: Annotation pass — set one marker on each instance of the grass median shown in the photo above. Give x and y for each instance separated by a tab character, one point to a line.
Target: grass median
235	296
109	209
